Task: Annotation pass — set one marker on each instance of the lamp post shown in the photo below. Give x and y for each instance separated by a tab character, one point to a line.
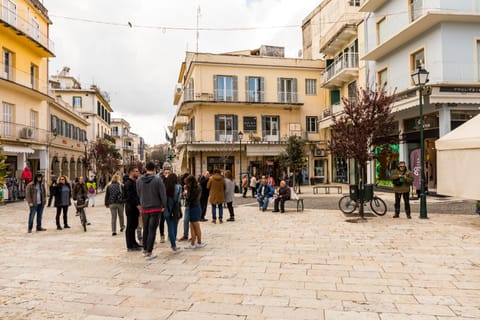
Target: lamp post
85	143
240	137
420	78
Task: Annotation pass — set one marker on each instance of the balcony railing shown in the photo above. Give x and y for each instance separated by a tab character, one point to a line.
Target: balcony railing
247	96
416	9
29	28
346	61
22	78
10	130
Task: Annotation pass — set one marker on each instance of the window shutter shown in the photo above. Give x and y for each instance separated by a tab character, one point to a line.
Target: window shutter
235	88
215	88
262	89
279	89
217	128
247	89
278	128
264	126
334	97
294	91
235	127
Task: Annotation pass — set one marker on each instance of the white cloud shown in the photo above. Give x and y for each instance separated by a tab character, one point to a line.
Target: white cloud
139	66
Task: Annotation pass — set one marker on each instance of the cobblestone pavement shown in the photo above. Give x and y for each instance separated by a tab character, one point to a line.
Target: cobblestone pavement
299	265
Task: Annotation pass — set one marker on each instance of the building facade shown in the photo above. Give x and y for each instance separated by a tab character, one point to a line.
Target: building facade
444	38
124	141
331	33
236	111
25	49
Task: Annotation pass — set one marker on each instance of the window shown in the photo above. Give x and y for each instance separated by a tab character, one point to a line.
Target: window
255	89
7	69
334	97
417	59
311	87
77	101
7	119
115	131
53	123
416	9
381	30
311	124
354	3
382	78
33	119
270	128
9	12
225	127
287	90
318	167
226	88
35	29
99	109
33	76
352	91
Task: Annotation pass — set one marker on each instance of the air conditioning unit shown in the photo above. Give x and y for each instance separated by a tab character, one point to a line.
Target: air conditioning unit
26	133
319	153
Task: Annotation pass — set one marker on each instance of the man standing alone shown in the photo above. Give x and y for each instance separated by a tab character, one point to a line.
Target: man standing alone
402	180
36	199
153	200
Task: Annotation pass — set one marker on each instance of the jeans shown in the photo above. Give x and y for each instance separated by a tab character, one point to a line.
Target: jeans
186	222
214	211
65	218
406	199
117	209
172	225
263	201
150	225
38	209
132	224
161	225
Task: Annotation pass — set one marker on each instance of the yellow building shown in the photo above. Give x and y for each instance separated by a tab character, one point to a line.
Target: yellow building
25	48
235	112
333	32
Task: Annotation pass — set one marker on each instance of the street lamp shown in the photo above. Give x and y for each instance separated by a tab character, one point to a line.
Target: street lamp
240	137
420	78
85	143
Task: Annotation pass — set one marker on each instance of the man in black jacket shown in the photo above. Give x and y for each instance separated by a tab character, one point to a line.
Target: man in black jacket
132	206
205	193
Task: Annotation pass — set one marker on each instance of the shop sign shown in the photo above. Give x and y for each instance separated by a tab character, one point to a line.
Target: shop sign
249	123
460	89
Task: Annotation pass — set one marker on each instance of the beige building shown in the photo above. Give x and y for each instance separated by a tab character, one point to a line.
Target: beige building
333	32
130	145
235	111
25	47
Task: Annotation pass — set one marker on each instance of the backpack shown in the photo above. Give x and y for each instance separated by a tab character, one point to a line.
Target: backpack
91	189
176	210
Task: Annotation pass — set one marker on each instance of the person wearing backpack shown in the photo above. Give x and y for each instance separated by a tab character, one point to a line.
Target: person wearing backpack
173	211
115	201
92	189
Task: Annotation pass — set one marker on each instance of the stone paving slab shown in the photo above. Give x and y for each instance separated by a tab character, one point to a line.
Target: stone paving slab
306	265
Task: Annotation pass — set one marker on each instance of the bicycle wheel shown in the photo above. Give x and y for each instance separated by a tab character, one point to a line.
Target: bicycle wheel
378	206
347	205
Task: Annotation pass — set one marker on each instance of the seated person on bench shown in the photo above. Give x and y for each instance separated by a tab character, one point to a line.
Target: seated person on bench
283	195
264	193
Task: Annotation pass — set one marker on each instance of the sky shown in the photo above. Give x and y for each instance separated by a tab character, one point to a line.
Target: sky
138	65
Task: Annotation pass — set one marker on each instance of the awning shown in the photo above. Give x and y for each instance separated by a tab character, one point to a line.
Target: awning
254	150
16	149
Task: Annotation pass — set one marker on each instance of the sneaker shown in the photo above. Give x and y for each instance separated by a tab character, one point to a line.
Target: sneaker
41	229
150	256
203	219
231	219
59	228
214	221
121	229
275	211
66	226
183	238
200	245
162	239
221	221
134	249
144	253
396	217
114	233
190	246
176	249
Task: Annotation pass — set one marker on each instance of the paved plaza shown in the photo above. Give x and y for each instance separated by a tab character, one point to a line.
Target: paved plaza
299	265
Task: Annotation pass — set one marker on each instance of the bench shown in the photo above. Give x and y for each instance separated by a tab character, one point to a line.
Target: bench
326	189
294	196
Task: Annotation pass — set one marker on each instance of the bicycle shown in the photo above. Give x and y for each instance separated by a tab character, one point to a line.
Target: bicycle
347	205
80	206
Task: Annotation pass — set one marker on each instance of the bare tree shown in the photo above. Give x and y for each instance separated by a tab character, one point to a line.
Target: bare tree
367	123
105	157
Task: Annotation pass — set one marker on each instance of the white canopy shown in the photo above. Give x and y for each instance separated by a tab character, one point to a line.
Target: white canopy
458	161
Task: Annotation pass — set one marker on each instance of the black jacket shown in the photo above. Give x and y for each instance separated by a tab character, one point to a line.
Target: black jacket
58	194
131	196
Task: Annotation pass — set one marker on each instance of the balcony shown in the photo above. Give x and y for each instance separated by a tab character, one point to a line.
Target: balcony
23	78
16	131
338	37
343	70
29	29
421	18
371	5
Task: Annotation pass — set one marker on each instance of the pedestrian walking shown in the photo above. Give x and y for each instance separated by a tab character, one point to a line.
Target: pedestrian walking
132	207
216	187
253	186
402	179
283	195
203	181
264	193
92	190
153	199
80	195
63	195
245	185
115	201
35	196
193	193
51	190
172	213
229	194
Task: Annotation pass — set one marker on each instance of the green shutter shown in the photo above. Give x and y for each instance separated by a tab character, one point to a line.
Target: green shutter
334	97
